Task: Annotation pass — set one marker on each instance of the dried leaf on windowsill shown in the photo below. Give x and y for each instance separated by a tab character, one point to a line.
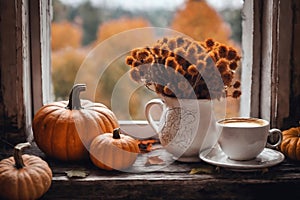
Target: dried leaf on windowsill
76	173
203	169
147	145
154	160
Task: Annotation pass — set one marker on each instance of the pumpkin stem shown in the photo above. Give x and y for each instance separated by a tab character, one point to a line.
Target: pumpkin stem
116	133
74	100
18	154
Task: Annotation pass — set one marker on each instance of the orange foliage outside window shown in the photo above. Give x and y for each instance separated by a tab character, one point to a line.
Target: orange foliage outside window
65	64
199	21
116	26
65	34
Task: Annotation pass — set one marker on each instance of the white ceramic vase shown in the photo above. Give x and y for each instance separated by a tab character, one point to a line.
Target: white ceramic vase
186	126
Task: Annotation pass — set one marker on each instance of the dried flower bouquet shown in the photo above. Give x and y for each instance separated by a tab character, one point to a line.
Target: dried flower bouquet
182	68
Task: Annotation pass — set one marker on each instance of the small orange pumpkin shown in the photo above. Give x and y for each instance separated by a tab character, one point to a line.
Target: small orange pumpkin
65	129
290	144
114	150
24	176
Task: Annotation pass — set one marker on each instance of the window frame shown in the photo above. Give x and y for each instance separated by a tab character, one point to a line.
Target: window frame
266	50
267	46
40	15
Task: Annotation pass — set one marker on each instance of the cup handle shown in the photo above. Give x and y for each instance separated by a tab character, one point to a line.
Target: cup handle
273	132
149	118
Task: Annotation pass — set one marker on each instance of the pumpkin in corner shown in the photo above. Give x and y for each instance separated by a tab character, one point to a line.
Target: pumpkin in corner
290	145
24	176
65	129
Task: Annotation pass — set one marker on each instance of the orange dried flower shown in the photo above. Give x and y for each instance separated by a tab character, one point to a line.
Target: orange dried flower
179	52
214	56
231	54
222	50
180	41
237	84
200	65
172	44
164	51
192	70
167	91
171	62
191	51
180	70
149	59
233	65
237	58
187	43
156	50
236	94
142	54
134	53
227	78
159	88
136	63
129	60
165	40
209	43
222	65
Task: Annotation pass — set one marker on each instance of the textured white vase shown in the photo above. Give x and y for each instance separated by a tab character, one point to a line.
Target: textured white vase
186	126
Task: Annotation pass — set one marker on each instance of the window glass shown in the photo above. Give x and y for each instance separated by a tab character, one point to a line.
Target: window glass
91	40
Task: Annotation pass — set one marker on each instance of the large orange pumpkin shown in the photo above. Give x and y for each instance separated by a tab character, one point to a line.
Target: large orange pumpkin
290	145
24	176
114	150
65	129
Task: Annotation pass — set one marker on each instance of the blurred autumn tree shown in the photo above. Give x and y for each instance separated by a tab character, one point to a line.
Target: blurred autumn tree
87	15
65	34
66	56
115	26
65	64
199	21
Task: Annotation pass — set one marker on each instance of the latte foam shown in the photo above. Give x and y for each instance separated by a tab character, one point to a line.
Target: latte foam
243	123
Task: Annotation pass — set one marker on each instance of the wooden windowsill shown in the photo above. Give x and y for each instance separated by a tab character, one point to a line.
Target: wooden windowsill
172	181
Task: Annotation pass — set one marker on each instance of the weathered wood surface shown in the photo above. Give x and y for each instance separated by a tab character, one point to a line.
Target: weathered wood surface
171	181
13	60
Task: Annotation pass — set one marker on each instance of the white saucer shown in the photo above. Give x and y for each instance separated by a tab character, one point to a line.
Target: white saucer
267	158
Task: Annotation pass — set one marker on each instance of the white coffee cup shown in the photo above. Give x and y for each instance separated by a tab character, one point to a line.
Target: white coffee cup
245	138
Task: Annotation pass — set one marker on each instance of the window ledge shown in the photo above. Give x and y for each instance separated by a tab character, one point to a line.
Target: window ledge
172	181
